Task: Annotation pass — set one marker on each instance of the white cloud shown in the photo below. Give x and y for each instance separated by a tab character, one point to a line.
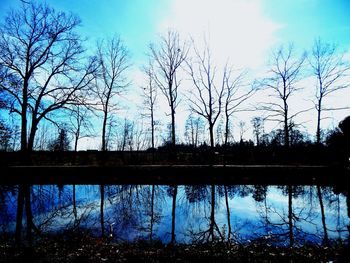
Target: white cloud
237	30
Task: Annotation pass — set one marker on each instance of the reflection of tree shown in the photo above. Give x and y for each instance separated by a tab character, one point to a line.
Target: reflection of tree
124	210
292	192
331	202
172	191
74	201
199	193
259	195
290	215
51	207
6	195
195	193
277	224
229	232
323	217
152	209
102	220
152	201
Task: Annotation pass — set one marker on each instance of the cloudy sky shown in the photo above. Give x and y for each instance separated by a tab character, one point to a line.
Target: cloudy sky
243	31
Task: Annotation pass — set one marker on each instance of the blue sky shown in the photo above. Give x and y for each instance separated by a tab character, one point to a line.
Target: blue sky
135	21
304	20
140	21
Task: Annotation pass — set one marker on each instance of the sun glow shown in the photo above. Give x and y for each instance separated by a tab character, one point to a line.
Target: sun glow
235	30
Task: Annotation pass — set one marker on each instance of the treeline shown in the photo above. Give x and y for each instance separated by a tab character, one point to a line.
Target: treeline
48	82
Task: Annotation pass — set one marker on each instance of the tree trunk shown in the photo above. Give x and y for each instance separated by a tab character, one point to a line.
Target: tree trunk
152	214
318	130
338	217
212	213
228	215
29	214
74	204
227	130
152	127
173	216
196	134
33	130
24	116
286	128
173	136
102	192
77	134
290	215
19	215
323	217
211	131
266	212
104	125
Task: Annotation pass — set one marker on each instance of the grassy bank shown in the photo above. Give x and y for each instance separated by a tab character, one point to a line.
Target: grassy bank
87	249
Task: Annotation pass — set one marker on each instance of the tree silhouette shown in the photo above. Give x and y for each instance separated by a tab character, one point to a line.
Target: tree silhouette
168	57
110	79
285	74
80	125
61	143
194	129
206	97
149	94
5	136
258	128
235	94
329	69
41	56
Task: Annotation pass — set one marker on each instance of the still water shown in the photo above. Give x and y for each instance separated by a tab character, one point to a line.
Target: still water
283	215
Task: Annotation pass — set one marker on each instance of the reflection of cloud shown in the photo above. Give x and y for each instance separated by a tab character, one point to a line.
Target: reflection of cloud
347	56
237	29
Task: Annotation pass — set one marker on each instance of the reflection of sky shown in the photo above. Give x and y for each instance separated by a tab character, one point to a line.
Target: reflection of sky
130	216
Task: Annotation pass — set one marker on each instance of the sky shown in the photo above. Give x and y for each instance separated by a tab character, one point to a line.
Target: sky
245	32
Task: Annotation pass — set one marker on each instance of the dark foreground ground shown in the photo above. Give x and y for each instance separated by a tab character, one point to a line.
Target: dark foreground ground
89	249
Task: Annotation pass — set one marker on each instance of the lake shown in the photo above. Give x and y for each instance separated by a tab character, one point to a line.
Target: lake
279	215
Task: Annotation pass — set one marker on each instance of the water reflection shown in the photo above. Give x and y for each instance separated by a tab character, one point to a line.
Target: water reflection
285	215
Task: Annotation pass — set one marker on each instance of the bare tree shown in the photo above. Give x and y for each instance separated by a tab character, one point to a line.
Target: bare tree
111	80
194	129
258	128
5	136
140	137
329	69
285	74
80	125
220	136
42	58
149	94
235	96
242	130
41	54
61	142
127	134
44	134
207	95
168	57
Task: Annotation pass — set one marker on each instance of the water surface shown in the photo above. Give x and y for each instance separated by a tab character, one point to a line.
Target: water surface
283	215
